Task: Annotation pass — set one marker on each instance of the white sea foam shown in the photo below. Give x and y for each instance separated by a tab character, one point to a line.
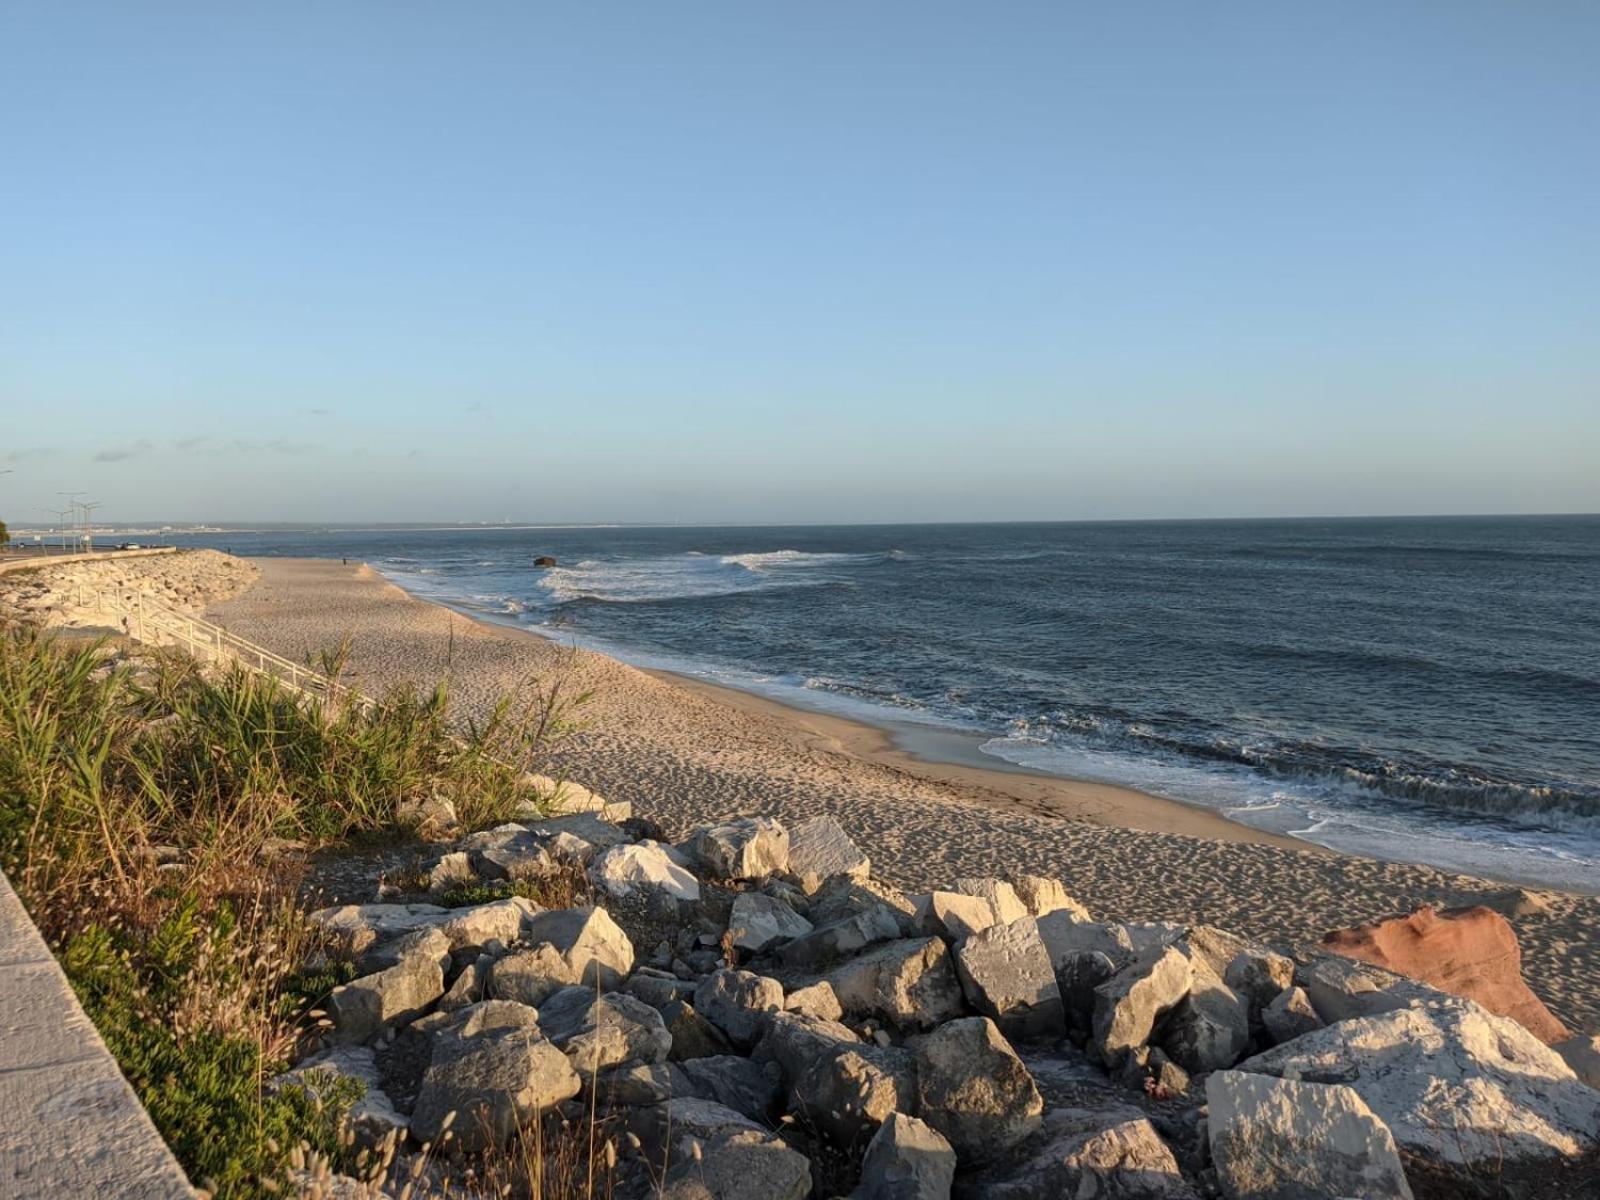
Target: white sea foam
872	696
504	605
770	559
693	575
1329	813
638	581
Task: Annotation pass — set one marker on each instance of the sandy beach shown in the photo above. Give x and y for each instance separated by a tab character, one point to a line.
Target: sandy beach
683	751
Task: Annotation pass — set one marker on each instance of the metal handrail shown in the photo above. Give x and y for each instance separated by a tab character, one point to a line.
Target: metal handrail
147	615
143	616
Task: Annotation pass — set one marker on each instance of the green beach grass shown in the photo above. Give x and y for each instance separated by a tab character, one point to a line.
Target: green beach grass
141	799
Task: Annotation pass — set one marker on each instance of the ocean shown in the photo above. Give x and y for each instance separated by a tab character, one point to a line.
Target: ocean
1425	690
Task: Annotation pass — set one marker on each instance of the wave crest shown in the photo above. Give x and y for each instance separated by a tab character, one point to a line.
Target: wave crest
766	560
1446	787
695	575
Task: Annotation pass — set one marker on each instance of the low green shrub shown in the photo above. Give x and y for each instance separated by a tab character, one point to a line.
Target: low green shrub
561	888
202	1087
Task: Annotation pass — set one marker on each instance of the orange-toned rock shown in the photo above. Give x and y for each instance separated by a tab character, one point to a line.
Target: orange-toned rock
1470	952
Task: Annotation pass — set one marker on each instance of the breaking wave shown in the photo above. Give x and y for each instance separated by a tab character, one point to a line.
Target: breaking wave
1331	771
694	575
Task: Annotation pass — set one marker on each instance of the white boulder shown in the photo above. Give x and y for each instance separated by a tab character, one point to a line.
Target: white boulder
1002	897
644	867
1274	1137
1090	1154
820	849
759	922
568	946
561	796
1127	1006
738	1003
1043	896
907	1159
973	1089
952	915
1456	1085
743	848
910	984
1006	974
356	928
1288	1016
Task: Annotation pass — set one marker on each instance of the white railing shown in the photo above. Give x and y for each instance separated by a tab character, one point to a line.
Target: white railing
146	619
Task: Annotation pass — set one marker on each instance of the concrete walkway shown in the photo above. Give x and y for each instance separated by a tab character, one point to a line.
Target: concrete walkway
70	1126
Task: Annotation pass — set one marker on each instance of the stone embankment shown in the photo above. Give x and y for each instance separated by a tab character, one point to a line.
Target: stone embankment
64	593
750	1015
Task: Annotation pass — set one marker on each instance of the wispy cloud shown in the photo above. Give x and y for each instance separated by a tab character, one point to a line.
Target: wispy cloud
144	446
316	412
244	445
113	454
28	454
275	446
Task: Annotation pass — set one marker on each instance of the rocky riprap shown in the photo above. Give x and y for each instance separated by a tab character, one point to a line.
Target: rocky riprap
64	592
749	1015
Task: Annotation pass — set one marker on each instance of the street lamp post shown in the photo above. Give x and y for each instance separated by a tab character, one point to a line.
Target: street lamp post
88	524
7	471
62	515
72	504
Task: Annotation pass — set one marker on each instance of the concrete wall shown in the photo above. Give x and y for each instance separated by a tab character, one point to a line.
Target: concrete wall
70	1125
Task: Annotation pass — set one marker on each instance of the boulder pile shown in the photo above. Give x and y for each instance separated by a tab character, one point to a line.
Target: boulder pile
64	592
747	1013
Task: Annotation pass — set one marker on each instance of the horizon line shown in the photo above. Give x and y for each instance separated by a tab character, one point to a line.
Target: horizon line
336	526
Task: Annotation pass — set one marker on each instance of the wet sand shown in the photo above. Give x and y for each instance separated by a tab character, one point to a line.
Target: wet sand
929	757
684	751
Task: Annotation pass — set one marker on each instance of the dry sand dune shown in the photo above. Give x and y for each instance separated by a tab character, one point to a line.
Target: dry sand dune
685	752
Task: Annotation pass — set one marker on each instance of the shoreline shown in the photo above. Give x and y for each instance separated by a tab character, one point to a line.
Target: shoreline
1035	791
932	754
948	756
685	753
928	752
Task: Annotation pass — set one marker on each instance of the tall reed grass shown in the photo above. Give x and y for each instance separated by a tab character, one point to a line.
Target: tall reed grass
140	797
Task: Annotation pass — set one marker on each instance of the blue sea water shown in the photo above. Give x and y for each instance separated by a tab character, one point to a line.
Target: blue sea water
1418	689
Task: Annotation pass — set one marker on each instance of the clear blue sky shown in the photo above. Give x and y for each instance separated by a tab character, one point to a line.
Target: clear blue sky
830	261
